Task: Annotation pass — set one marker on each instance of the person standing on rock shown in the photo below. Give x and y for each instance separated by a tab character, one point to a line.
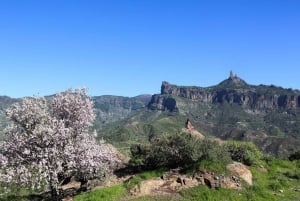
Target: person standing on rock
188	124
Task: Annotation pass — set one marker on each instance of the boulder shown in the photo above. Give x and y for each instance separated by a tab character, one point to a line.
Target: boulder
241	171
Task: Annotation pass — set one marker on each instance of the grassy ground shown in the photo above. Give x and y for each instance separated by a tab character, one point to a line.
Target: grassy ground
108	194
281	182
118	192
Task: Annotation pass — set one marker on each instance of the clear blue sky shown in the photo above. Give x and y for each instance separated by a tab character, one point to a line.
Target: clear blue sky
128	47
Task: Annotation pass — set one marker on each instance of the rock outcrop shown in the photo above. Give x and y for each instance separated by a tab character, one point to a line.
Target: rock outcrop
172	182
241	171
193	132
112	108
231	90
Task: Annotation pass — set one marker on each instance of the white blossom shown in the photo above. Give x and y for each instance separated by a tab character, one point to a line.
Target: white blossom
47	141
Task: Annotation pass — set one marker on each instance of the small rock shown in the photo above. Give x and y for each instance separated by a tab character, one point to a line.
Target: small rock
280	191
217	185
179	180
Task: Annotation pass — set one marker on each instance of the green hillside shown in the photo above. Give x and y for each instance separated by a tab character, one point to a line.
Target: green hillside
269	116
280	183
276	131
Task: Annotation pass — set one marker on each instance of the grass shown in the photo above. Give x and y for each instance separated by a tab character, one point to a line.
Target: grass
18	193
156	198
137	179
217	167
280	183
113	193
118	192
204	193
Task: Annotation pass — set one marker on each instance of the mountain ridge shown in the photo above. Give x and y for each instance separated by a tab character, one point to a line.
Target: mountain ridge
231	90
269	116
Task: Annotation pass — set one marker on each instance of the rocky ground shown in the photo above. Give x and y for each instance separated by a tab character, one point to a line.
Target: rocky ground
171	182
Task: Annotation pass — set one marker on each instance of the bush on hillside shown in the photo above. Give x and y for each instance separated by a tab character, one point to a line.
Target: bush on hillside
244	152
179	150
295	156
212	151
139	153
172	151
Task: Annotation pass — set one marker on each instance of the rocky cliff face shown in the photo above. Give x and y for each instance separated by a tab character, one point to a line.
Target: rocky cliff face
266	115
107	108
113	108
231	90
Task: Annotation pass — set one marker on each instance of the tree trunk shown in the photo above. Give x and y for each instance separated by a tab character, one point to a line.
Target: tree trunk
55	194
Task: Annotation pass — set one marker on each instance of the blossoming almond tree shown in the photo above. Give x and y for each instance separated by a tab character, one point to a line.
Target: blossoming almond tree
46	142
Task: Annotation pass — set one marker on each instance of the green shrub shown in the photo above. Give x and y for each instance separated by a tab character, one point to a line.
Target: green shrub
179	150
244	152
172	151
210	150
295	156
139	153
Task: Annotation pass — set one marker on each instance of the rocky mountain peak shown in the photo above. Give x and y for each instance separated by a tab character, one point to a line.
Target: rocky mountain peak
234	78
231	90
234	82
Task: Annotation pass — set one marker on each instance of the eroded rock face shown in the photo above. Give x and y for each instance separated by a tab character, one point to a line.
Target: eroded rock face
172	182
233	109
169	183
193	133
212	180
241	171
113	108
163	102
231	90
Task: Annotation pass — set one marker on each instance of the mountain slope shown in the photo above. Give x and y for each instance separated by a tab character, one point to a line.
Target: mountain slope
233	109
267	115
115	108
